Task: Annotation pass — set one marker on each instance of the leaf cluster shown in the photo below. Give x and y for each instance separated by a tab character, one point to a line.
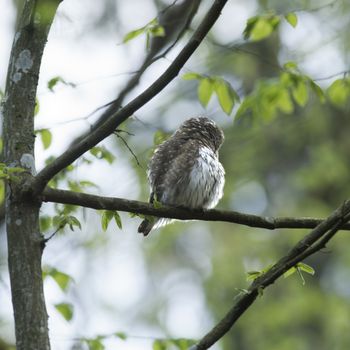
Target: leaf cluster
151	29
209	85
262	26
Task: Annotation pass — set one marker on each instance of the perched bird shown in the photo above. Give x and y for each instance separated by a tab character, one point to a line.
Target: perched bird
185	170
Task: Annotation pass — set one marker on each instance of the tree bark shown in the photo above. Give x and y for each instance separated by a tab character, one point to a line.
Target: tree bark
22	213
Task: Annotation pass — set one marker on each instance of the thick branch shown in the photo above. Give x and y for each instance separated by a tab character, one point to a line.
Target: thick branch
310	244
131	206
119	117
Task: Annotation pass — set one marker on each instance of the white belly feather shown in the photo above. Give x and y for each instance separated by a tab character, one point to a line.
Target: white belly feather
202	187
206	184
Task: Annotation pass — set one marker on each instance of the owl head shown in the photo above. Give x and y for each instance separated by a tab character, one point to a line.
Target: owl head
202	129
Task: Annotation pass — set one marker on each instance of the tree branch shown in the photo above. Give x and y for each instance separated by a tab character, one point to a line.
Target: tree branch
310	244
175	19
132	206
119	117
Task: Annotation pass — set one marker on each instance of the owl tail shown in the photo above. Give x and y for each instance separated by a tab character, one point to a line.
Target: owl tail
146	226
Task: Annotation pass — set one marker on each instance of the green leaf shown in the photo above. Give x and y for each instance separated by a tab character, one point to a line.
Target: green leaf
290	65
77	186
107	216
54	81
157	31
117	219
292	19
101	152
226	95
261	27
36	107
46	137
159	344
73	221
66	310
60	221
133	34
290	272
306	268
13	170
62	279
192	76
86	183
151	29
45	223
300	93
121	335
205	91
74	186
339	92
317	90
284	101
261	30
243	291
95	344
252	275
249	26
245	106
182	343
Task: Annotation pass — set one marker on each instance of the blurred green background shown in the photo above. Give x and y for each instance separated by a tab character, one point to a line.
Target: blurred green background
278	162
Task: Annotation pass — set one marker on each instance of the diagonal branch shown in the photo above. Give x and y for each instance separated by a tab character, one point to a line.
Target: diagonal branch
175	19
131	206
313	242
70	155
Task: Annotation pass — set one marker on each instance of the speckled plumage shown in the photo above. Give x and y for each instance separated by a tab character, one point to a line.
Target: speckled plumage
185	169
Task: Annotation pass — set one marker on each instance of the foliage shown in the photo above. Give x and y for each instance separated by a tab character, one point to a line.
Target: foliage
66	310
151	29
339	92
8	173
107	216
277	95
226	95
46	137
51	84
262	26
101	152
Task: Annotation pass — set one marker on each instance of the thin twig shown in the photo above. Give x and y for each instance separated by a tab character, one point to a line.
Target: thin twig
116	133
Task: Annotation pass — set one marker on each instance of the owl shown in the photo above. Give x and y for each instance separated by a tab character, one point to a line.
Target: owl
185	170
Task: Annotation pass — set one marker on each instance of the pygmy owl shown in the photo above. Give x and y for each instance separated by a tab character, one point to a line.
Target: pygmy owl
185	170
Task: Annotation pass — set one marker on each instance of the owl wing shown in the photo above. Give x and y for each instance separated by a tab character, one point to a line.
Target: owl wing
162	163
177	174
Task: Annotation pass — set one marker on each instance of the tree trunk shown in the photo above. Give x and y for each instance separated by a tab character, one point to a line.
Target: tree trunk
22	212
